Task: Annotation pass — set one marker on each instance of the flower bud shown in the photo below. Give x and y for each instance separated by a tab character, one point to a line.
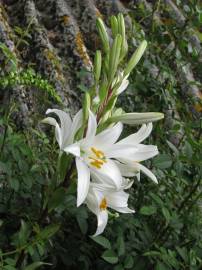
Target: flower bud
114	57
137	118
114	26
103	34
135	57
86	106
97	65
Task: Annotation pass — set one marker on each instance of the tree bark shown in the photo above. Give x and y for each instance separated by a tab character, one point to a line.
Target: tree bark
62	42
63	37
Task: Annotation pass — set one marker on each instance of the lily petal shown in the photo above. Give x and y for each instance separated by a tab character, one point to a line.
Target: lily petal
92	127
73	149
102	182
148	173
108	136
65	122
102	218
139	136
92	201
76	124
124	210
122	87
126	170
83	181
127	183
144	152
117	199
110	172
49	120
58	134
119	151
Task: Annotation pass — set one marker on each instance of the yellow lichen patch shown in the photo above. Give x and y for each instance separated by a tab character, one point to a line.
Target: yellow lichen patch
50	55
168	21
198	107
200	95
81	49
60	77
64	19
4	19
98	14
103	204
3	13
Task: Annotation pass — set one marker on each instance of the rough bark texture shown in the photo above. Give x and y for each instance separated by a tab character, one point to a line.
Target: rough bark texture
63	39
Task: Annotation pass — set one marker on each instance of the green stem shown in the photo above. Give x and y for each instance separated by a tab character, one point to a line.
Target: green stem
58	166
4	139
66	181
7	115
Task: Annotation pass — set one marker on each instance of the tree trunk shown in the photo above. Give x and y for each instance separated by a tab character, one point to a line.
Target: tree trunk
62	39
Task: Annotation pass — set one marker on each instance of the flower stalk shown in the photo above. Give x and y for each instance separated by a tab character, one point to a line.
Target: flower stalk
89	143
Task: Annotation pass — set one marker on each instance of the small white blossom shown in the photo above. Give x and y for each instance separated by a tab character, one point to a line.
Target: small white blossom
100	199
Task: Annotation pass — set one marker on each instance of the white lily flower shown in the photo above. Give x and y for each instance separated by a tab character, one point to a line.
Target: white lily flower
99	153
94	157
66	130
98	200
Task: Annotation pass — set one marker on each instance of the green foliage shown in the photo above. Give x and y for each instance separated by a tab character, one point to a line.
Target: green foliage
110	256
23	77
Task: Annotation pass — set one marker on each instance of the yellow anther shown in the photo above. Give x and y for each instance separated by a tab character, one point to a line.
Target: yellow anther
98	158
97	153
96	163
103	204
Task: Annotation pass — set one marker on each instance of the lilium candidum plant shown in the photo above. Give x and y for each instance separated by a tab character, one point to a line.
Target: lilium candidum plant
106	165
